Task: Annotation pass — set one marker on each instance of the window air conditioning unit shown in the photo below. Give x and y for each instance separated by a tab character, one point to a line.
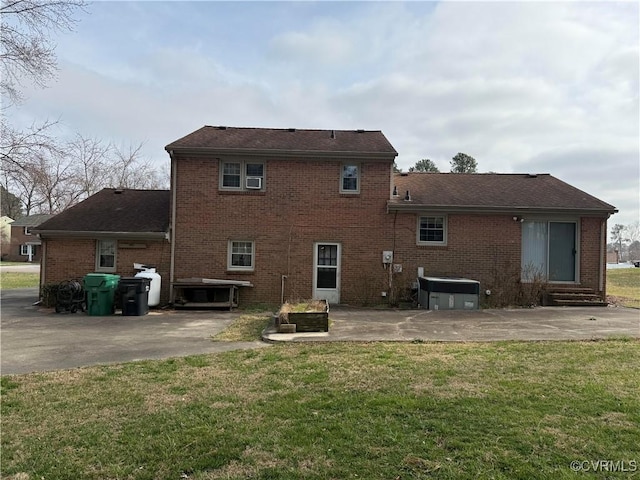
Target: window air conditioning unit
254	183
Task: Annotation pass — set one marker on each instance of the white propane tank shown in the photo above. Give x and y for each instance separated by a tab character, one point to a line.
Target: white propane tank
154	287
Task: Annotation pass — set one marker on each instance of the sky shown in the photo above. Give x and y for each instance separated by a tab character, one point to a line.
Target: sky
523	87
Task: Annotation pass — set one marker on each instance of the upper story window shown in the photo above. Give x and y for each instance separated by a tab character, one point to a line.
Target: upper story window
106	256
242	176
432	230
27	230
350	178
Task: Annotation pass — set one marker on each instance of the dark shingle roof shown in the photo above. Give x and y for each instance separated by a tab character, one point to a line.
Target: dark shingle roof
283	140
115	210
493	191
31	220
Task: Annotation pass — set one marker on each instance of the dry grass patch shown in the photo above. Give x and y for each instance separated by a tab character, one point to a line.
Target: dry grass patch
246	328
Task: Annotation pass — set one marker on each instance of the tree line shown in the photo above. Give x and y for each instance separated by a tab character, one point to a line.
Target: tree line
460	163
625	239
40	173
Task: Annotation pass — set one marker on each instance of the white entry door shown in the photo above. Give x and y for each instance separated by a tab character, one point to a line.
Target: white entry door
326	272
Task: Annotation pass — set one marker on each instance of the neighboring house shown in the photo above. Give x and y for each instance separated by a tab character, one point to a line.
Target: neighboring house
25	244
613	257
5	236
108	232
319	213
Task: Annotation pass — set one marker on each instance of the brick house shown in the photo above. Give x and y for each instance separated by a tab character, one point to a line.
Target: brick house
320	213
298	213
501	229
25	244
108	232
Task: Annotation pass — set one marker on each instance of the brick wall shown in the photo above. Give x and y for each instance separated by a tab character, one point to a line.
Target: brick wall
301	204
486	248
73	258
592	256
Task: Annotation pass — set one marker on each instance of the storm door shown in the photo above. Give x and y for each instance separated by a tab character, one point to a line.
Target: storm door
562	251
326	272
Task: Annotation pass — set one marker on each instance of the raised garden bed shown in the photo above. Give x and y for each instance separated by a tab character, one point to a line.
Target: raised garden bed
311	316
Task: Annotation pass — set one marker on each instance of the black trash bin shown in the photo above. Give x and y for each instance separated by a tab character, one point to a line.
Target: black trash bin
134	295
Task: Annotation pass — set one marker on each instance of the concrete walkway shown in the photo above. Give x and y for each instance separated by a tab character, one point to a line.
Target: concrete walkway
542	323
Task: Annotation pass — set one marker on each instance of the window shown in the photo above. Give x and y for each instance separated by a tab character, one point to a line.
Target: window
231	175
240	255
432	230
242	176
349	181
106	256
24	250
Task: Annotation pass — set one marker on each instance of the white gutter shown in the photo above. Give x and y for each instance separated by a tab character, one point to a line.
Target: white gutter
172	225
603	253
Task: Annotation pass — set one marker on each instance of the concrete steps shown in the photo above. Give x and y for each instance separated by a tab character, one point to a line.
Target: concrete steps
573	297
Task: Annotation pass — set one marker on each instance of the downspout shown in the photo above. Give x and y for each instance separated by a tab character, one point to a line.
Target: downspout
603	247
172	226
43	265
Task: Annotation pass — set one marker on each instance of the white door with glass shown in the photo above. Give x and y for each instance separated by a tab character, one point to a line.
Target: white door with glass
326	272
549	251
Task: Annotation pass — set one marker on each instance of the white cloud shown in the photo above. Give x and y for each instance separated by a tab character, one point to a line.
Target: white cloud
521	86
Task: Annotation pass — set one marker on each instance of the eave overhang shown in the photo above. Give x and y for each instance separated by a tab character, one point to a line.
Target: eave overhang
410	207
298	154
102	234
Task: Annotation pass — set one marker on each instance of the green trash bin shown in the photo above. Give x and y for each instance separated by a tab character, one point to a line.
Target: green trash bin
101	289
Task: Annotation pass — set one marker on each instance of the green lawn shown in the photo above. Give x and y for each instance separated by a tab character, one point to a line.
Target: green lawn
334	411
624	285
10	280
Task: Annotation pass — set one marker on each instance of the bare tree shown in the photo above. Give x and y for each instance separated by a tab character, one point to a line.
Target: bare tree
131	170
25	34
27	53
91	159
17	147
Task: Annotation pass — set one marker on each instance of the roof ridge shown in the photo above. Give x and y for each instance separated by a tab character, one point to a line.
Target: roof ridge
293	129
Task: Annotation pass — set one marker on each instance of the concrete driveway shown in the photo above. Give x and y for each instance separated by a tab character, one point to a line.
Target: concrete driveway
35	339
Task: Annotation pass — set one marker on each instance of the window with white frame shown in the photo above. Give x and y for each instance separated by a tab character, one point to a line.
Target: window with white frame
241	255
241	175
106	255
27	230
24	250
432	230
350	178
